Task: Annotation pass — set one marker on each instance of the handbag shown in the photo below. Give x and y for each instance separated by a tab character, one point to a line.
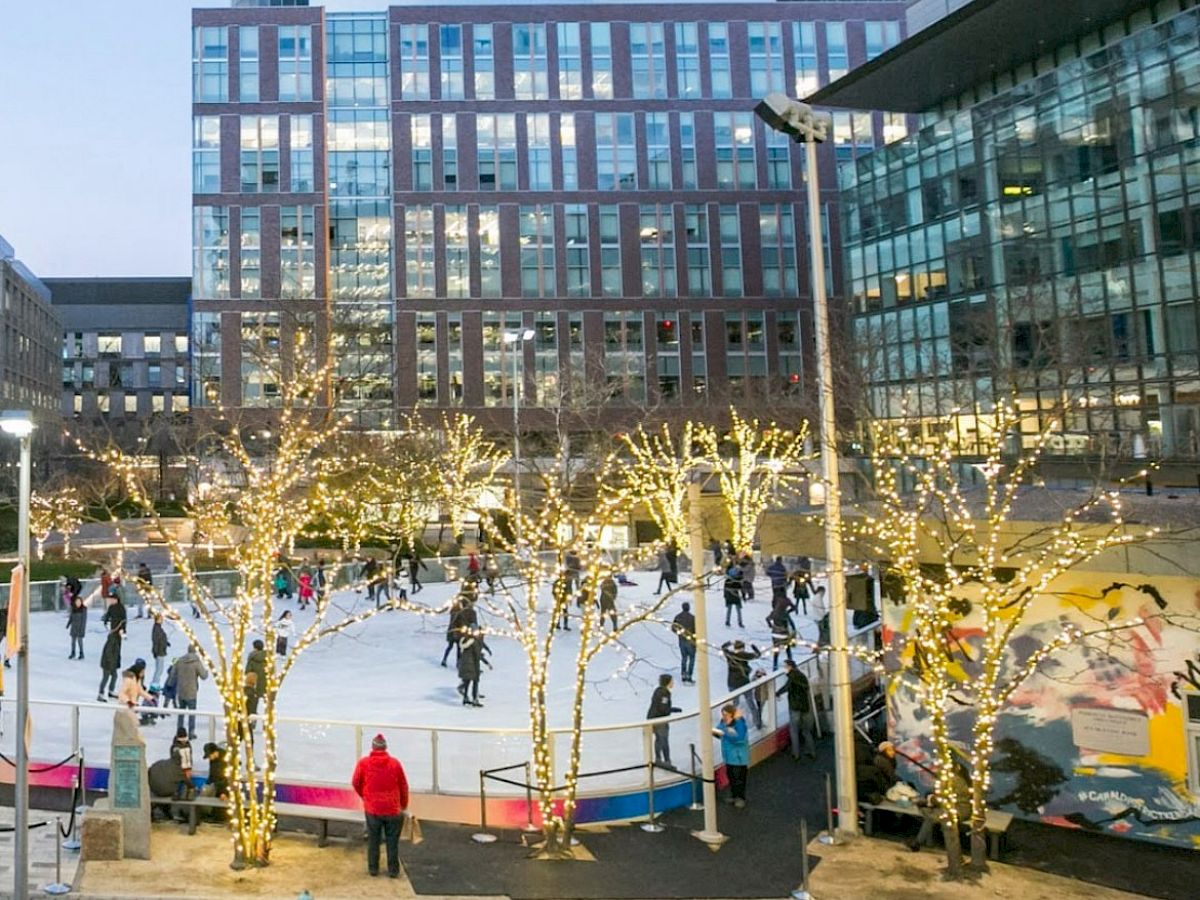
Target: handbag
411	829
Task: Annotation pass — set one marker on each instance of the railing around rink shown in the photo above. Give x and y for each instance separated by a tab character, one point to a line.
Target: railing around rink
439	760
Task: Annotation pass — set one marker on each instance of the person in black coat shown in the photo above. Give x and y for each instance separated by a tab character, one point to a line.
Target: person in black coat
608	600
684	626
661	707
738	660
110	661
158	649
462	618
77	625
733	592
471	660
801	722
115	616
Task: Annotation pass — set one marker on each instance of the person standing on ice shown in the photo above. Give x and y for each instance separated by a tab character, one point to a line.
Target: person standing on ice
454	628
733	592
284	629
77	625
379	780
661	707
684	626
305	587
608	600
415	565
158	649
471	660
110	662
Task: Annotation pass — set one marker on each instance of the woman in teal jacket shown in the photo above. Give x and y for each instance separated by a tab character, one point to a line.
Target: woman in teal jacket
735	749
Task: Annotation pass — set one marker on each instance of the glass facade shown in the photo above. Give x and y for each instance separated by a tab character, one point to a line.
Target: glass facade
1042	239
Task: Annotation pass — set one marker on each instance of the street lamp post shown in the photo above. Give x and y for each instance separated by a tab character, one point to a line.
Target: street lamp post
19	424
805	126
516	340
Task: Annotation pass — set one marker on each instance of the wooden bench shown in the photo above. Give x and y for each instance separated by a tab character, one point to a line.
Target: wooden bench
996	824
323	815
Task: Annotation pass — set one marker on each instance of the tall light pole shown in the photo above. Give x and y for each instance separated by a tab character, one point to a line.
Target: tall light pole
709	834
516	341
19	424
805	126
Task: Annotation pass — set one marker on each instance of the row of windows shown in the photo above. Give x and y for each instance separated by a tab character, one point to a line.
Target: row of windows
126	375
130	404
779	56
118	344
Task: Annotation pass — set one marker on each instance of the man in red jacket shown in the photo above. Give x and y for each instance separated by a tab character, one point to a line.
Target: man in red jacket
379	780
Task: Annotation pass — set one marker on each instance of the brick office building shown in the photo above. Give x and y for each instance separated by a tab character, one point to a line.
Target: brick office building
409	187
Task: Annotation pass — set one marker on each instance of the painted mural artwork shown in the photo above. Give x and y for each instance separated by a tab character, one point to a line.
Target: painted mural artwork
1106	735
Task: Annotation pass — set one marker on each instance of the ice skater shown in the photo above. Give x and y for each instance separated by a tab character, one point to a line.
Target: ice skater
471	660
158	649
608	600
77	625
733	592
684	626
284	629
415	565
110	662
661	707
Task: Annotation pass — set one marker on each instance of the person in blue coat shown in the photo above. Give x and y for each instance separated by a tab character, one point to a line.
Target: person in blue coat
735	750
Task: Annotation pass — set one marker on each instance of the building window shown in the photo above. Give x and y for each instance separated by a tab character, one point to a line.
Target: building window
458	253
658	151
152	345
154	375
449	152
295	63
610	252
108	345
210	251
359	160
454	357
537	136
422	153
181	345
206	154
777	236
484	53
251	253
666	328
616	152
260	154
895	127
766	58
356	69
881	37
297	252
414	62
779	167
734	140
718	60
301	139
808	73
602	62
545	358
248	64
207	361
835	50
687	60
687	150
699	273
746	353
360	249
624	357
648	58
427	374
499	386
210	65
791	353
419	250
570	62
570	156
496	136
731	252
579	276
530	68
537	251
656	231
489	251
450	42
699	357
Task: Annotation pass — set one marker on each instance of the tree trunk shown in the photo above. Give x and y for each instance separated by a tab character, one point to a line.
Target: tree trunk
953	841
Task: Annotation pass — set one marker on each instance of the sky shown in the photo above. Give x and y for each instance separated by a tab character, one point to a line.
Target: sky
95	134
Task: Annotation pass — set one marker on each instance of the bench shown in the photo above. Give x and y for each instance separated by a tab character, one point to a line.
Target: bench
323	815
996	824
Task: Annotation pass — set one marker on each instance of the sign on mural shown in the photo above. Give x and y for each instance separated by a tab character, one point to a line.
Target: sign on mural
1111	731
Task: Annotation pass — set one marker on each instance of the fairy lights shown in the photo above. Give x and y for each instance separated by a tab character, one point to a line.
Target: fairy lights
59	510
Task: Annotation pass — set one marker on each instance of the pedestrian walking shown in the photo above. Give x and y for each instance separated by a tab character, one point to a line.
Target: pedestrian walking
284	629
77	626
801	721
110	663
661	707
733	593
188	672
684	626
608	600
471	660
379	780
735	750
158	649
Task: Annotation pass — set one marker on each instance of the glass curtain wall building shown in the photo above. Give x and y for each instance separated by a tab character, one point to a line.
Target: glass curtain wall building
1039	235
403	187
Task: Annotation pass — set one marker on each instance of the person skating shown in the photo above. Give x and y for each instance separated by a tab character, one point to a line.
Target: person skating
733	592
462	619
77	626
158	649
748	571
132	690
115	616
737	660
306	592
801	579
735	750
714	547
283	584
801	722
110	663
284	629
491	571
783	630
415	565
473	566
471	660
608	600
379	780
664	572
778	574
187	673
684	626
144	584
660	707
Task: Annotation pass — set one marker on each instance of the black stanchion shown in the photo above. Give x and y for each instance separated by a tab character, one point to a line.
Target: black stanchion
652	825
828	836
530	828
801	893
483	836
57	887
697	783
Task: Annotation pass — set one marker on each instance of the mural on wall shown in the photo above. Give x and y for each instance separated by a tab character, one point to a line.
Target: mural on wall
1106	736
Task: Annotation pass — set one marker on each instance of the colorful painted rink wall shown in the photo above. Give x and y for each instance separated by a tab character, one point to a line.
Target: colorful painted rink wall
1106	737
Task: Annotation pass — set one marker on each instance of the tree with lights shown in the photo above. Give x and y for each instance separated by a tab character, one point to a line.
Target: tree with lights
58	510
957	651
755	468
258	507
658	470
468	464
